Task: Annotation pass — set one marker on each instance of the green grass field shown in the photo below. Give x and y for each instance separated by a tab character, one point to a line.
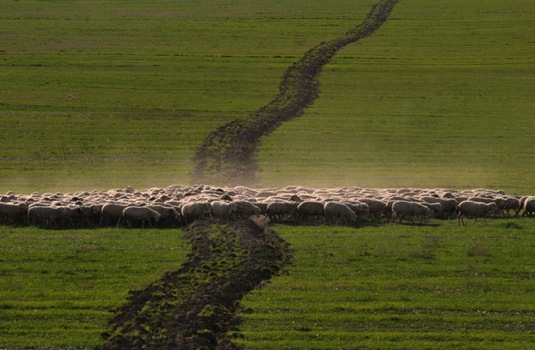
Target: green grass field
105	94
399	287
440	96
60	288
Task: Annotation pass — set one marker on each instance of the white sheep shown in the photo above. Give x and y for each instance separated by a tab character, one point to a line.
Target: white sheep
139	215
529	206
169	215
277	211
192	211
11	213
46	216
447	205
405	209
308	209
111	213
222	210
475	210
245	209
376	207
337	211
509	203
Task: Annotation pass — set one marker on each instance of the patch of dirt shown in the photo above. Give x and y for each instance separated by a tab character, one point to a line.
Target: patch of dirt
226	157
195	307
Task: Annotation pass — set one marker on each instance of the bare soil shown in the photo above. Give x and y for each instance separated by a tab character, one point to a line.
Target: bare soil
196	307
226	156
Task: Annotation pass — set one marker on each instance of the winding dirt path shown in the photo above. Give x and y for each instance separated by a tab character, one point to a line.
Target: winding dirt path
227	155
196	307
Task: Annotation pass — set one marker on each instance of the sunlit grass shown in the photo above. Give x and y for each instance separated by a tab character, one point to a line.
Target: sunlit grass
60	288
399	287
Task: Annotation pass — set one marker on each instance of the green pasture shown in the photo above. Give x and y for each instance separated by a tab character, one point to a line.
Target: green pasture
60	288
105	94
440	96
399	287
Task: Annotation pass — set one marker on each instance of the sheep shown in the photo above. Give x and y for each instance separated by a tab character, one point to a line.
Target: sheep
360	209
529	206
490	199
511	203
46	215
336	211
111	213
136	215
436	209
91	214
11	213
447	205
375	207
475	210
277	211
404	209
169	215
222	210
192	211
309	209
245	209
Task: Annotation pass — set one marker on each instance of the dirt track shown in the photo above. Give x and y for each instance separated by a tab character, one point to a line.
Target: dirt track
227	155
196	306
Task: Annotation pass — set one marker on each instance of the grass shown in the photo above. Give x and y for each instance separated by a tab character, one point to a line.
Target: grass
104	95
60	288
451	108
399	287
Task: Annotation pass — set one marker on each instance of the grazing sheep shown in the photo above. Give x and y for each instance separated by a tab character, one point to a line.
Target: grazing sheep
222	210
336	211
11	213
91	214
246	209
529	206
277	211
475	210
192	211
139	215
511	203
360	209
308	209
436	209
169	215
263	207
111	213
376	207
447	206
403	209
46	216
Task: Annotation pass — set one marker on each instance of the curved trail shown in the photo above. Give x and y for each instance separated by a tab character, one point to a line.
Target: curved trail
227	155
196	307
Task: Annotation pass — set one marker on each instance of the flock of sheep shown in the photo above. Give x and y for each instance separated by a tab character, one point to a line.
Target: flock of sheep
180	205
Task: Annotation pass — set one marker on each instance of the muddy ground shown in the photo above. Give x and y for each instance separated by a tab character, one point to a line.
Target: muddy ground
196	307
226	157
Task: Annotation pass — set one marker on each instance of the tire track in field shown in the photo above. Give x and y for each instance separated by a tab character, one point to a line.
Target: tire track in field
196	306
226	156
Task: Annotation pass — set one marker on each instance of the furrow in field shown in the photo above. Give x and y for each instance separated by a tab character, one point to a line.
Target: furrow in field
226	157
195	307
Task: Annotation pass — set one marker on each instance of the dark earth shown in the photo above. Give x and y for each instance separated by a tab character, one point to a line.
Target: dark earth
198	306
226	156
